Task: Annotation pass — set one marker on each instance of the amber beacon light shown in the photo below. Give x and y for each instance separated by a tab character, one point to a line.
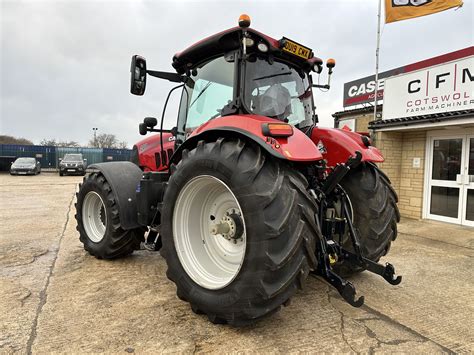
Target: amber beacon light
244	21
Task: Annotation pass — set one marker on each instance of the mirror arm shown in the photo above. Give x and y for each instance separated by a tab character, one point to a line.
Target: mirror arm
160	130
173	77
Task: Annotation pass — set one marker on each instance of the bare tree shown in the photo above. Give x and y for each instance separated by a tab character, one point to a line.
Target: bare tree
122	145
4	139
104	140
54	143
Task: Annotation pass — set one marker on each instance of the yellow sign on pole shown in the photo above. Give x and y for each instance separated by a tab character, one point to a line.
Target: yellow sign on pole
397	10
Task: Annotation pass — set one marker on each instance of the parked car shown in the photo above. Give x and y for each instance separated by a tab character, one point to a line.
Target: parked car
25	166
72	164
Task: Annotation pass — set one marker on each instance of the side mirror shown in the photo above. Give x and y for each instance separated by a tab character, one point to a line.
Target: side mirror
138	75
150	122
60	159
142	128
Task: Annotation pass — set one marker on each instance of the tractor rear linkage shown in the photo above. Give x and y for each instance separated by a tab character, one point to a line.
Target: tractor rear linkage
330	251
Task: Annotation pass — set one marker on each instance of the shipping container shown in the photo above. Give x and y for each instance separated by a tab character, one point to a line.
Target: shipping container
116	154
49	156
46	155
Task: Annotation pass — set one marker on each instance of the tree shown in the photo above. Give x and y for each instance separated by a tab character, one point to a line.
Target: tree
54	143
106	140
4	139
122	145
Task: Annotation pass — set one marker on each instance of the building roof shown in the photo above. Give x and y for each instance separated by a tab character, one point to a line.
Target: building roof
356	111
407	121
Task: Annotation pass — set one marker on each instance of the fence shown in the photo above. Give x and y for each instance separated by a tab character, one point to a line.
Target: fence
49	156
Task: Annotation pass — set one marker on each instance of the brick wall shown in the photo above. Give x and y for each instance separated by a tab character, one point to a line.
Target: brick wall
390	143
399	150
361	121
411	179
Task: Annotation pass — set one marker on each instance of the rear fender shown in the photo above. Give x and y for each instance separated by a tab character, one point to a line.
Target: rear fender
296	148
338	145
123	177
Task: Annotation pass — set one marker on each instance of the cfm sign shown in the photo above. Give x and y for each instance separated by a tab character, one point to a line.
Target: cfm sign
442	88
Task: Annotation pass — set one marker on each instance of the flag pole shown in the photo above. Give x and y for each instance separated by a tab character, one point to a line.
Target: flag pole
377	49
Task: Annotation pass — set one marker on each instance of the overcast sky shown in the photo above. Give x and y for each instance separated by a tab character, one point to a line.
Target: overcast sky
65	64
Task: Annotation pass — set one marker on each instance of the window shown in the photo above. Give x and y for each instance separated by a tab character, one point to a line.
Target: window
206	93
278	90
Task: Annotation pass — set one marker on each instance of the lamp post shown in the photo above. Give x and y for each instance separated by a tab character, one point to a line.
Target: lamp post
95	136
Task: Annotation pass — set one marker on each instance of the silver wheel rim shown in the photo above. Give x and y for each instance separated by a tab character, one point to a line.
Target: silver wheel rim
94	217
210	258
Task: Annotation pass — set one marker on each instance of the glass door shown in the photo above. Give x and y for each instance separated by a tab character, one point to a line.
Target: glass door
468	184
445	181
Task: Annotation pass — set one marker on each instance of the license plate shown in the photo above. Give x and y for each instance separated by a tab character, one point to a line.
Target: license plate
22	173
71	170
296	49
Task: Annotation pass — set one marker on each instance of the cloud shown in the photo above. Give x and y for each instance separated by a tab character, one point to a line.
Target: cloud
65	64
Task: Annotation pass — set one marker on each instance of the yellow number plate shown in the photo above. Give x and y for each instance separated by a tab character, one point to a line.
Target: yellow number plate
296	49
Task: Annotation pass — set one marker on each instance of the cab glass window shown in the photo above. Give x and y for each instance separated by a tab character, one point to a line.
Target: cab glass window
206	93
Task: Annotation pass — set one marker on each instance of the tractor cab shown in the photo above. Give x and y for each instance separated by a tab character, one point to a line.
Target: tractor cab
240	71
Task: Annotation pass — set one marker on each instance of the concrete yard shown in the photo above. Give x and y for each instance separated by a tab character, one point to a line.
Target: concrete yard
56	298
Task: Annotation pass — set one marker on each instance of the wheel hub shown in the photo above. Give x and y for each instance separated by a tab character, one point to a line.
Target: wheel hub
230	227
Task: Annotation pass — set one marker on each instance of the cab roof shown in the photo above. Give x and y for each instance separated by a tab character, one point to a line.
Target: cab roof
228	40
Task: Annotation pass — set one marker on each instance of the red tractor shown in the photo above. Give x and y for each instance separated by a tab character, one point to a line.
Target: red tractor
246	195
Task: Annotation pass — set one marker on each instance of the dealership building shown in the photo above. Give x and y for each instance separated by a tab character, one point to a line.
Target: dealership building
425	129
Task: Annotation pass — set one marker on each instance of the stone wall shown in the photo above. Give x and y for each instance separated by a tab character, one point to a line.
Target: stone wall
399	150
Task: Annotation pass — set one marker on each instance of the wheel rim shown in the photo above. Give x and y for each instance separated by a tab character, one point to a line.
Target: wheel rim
94	217
209	242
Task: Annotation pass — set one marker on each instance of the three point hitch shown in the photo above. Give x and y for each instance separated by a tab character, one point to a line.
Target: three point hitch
330	250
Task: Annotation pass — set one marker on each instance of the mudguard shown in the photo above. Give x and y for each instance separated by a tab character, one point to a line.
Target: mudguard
123	177
337	145
296	148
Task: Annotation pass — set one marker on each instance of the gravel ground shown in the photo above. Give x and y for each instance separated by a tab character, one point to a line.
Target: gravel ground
57	298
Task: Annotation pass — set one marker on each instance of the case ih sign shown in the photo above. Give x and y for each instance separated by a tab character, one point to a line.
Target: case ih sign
361	91
442	88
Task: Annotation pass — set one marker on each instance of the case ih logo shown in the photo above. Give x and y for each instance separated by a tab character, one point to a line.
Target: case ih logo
399	3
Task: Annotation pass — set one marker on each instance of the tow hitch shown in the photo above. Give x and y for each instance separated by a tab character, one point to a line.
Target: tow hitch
330	250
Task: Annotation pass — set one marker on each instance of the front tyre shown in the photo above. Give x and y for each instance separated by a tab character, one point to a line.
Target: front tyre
238	231
98	221
375	213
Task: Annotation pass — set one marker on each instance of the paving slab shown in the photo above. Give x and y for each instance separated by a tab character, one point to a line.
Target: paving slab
57	298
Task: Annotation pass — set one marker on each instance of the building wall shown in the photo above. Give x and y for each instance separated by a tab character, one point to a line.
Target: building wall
399	150
390	143
361	121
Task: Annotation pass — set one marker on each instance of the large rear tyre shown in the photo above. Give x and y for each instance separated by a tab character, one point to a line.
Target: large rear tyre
238	231
98	221
375	213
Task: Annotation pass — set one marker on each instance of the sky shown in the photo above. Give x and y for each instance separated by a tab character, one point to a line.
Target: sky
64	65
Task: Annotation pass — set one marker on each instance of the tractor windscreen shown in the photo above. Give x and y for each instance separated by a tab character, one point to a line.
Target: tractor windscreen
209	89
278	90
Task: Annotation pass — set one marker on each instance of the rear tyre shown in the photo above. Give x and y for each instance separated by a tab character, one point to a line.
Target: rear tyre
238	231
375	213
98	221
